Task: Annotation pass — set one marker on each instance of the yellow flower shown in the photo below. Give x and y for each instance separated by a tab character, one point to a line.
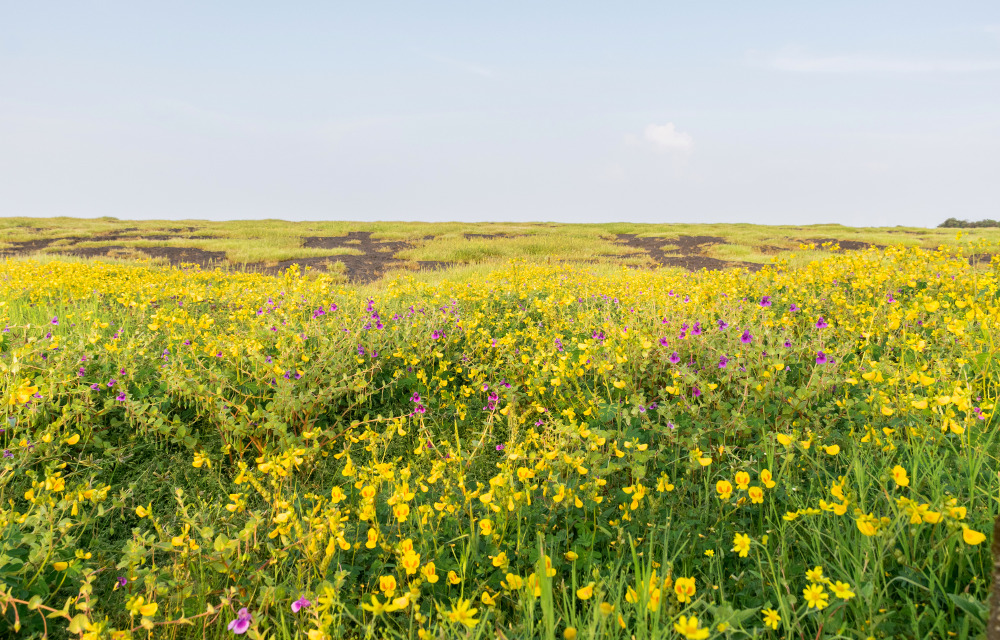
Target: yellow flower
570	556
815	575
411	562
462	613
585	593
742	480
899	475
142	511
485	526
453	578
741	544
606	608
724	489
832	450
756	495
710	553
842	590
785	440
376	607
60	566
771	618
500	560
689	628
372	539
569	633
488	600
971	536
684	588
387	585
767	479
150	609
816	596
514	582
430	572
73	439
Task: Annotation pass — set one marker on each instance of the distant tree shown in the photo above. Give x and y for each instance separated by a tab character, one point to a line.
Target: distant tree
955	223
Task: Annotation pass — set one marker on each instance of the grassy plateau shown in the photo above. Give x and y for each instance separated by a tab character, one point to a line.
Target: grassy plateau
510	431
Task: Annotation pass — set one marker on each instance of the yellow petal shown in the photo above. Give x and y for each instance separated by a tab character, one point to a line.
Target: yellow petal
971	536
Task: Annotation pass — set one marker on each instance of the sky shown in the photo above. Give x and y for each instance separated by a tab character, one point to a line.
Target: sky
860	113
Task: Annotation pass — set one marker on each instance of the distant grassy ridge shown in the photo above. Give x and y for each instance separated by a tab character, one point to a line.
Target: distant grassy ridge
268	242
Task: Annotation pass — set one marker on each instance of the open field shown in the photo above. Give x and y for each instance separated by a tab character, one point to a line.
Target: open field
558	446
364	252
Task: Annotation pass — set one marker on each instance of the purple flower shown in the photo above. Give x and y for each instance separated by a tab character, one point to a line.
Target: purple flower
722	324
793	308
696	392
55	320
122	581
111	383
696	330
765	301
787	345
95	386
675	357
821	323
747	337
7	453
242	622
120	397
301	603
889	298
723	361
499	447
435	335
820	358
663	342
415	397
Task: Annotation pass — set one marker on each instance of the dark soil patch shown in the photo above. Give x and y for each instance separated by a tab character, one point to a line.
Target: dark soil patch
845	245
176	256
690	249
490	236
770	249
981	259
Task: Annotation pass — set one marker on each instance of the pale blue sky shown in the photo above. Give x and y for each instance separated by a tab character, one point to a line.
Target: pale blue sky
863	113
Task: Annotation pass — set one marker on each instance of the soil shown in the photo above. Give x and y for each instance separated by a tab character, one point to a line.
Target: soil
845	245
689	247
377	257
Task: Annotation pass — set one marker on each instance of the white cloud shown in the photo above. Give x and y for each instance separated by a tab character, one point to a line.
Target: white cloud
667	137
797	62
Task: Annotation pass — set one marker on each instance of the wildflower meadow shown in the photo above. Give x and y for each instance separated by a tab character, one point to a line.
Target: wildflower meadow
543	451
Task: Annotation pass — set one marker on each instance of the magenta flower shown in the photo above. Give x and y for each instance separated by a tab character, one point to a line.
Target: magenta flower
889	298
747	337
675	357
696	392
120	397
765	301
301	603
821	323
663	342
55	320
722	324
122	581
723	361
820	358
242	622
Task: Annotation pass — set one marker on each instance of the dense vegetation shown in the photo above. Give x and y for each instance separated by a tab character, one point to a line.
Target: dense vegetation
533	451
955	223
